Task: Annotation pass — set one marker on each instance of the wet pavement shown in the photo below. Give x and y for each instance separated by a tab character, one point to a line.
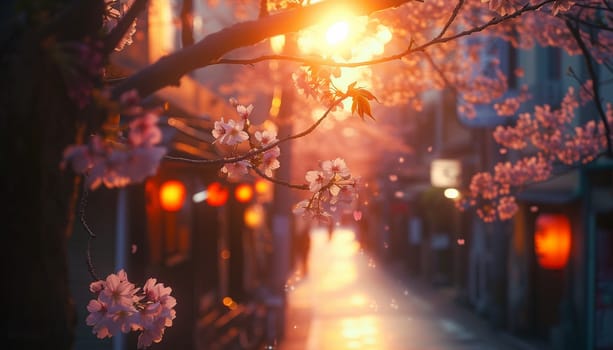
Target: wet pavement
348	302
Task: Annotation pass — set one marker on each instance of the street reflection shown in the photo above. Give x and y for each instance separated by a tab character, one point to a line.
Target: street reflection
341	308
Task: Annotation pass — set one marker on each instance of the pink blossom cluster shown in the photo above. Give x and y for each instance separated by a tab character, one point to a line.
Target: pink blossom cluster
262	142
509	106
550	137
120	157
119	306
332	183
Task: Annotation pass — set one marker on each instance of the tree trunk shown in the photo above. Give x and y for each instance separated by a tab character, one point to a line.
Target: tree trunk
38	121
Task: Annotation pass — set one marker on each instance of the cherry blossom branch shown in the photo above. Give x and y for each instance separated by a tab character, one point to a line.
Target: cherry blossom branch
119	31
439	40
254	152
168	70
595	85
454	14
280	182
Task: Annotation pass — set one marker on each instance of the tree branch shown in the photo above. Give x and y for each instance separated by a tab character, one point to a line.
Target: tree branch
169	69
454	14
187	23
114	37
280	182
408	51
255	152
595	83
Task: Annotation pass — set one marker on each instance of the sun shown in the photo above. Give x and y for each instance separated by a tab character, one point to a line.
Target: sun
337	32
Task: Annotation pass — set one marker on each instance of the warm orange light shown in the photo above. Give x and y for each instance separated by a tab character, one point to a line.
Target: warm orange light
262	186
243	193
172	195
217	195
254	216
229	303
552	240
225	254
337	32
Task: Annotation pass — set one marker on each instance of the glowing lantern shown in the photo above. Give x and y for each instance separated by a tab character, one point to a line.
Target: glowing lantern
552	240
263	188
254	216
172	195
217	195
243	193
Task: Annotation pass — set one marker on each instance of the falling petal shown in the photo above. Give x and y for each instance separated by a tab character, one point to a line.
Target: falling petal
357	215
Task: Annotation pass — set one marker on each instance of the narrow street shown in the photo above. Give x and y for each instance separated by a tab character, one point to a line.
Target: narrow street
348	302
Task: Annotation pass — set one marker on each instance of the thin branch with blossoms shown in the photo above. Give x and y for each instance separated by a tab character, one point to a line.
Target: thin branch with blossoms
253	152
454	15
169	69
409	50
280	182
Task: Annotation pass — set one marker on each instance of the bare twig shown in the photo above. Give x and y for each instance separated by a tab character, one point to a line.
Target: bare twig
280	182
595	83
454	14
91	234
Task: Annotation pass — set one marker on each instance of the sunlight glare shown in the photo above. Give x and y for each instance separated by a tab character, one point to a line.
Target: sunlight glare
337	32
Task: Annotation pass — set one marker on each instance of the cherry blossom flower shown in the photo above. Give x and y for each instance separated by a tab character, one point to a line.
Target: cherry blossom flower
244	111
230	132
316	179
236	169
266	137
507	207
336	166
120	307
117	291
219	130
144	130
270	161
331	185
113	160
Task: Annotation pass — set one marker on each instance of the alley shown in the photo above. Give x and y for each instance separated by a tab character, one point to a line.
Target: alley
348	302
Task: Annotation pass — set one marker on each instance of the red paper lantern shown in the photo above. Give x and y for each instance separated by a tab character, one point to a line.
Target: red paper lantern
243	193
552	240
217	195
172	195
